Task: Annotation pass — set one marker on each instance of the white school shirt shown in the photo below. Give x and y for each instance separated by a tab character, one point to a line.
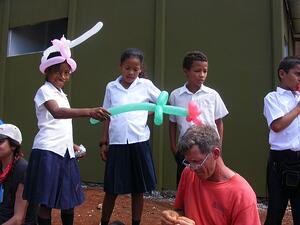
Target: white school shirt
276	105
209	101
129	127
55	135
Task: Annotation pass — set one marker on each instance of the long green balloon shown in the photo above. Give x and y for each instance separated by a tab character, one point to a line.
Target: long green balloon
159	108
174	110
132	107
128	108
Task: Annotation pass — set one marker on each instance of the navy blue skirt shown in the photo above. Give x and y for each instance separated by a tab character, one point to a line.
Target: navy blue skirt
129	169
52	180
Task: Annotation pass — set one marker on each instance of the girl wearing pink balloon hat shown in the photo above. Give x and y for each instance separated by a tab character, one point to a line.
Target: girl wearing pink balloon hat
53	179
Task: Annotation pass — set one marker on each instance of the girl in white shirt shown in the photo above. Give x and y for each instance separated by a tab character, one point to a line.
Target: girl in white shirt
125	141
52	178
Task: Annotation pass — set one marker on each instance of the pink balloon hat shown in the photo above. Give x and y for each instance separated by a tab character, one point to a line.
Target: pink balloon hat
65	55
63	46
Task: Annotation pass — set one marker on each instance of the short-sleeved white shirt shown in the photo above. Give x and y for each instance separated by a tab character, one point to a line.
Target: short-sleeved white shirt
129	127
54	135
277	104
209	101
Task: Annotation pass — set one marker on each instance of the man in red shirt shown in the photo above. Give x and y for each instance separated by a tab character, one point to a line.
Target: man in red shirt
210	193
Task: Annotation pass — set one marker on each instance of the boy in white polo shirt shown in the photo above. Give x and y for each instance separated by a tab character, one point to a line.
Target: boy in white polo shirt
195	67
282	109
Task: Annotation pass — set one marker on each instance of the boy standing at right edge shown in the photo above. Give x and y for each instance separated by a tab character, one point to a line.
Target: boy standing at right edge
195	67
282	109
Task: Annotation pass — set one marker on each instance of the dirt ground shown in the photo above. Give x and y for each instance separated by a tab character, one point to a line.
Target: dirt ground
88	214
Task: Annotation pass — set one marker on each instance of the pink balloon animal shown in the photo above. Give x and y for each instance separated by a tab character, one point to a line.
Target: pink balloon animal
193	113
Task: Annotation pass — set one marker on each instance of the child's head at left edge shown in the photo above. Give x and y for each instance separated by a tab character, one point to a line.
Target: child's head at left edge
131	66
10	141
195	67
289	73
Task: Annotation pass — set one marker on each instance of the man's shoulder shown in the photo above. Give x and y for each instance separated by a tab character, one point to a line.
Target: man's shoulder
240	187
237	178
188	173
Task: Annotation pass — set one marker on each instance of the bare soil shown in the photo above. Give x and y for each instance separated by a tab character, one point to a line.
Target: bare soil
89	214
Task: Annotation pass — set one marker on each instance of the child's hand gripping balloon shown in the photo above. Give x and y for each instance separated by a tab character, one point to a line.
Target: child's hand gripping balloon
99	113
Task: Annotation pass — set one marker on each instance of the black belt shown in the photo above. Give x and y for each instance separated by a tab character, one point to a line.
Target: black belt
286	155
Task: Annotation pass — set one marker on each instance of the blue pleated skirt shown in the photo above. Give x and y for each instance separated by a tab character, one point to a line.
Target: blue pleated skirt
129	169
52	180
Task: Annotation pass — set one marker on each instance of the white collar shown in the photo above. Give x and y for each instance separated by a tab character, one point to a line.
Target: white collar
118	84
283	91
184	89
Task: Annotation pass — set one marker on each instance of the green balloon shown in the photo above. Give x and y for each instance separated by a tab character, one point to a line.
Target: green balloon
94	121
132	107
174	110
128	108
159	109
158	115
162	98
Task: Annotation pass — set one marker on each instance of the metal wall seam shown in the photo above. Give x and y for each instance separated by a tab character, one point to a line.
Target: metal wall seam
3	52
159	77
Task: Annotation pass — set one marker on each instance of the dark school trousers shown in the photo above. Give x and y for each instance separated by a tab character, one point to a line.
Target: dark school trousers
180	167
278	191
